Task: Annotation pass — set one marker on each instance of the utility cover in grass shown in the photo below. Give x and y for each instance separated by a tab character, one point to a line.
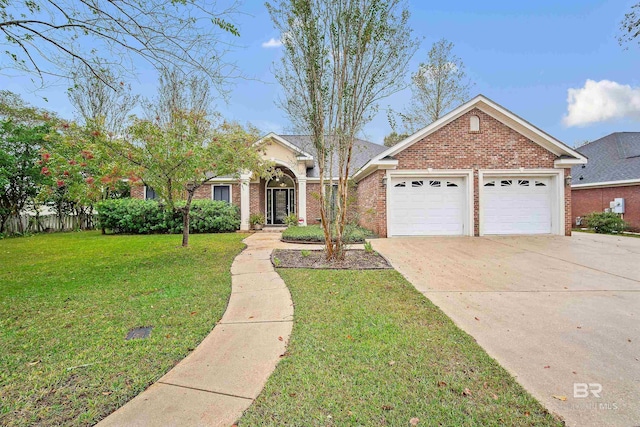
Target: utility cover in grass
354	259
141	333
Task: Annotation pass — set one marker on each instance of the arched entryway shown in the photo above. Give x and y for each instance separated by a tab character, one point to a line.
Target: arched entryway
280	195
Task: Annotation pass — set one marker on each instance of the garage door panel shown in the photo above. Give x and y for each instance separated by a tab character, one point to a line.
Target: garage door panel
512	205
426	206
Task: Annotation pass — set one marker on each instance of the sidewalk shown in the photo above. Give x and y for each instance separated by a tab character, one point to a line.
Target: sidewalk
220	379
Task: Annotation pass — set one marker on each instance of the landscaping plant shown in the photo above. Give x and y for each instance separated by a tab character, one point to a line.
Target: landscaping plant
605	222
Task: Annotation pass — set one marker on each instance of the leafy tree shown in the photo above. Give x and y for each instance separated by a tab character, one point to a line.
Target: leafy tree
20	174
24	130
49	37
340	58
439	85
178	157
393	138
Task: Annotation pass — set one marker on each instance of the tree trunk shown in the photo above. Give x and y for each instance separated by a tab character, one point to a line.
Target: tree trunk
185	219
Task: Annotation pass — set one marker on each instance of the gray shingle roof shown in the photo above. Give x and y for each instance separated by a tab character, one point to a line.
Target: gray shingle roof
363	151
615	157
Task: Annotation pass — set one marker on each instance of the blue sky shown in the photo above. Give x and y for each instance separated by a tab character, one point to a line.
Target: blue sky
527	56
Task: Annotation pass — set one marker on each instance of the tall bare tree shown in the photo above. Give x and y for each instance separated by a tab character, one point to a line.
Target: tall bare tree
341	57
49	37
178	92
439	85
98	104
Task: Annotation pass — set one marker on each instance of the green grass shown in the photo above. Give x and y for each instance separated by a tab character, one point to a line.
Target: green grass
368	350
68	300
591	231
314	233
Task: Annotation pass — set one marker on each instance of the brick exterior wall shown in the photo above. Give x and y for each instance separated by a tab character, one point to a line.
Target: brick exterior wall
137	191
256	197
495	146
567	204
588	200
313	203
202	193
372	202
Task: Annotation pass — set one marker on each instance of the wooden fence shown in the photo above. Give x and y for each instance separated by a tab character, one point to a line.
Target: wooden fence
47	223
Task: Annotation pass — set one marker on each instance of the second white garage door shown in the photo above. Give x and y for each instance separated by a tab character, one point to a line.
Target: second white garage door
513	205
426	206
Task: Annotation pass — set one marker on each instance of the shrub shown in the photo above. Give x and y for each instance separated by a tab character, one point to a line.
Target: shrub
291	220
131	216
368	248
134	216
255	219
605	222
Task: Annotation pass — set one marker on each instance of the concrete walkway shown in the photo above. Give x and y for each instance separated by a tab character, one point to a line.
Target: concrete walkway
226	372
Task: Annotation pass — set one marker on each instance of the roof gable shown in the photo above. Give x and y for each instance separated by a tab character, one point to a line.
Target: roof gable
296	150
502	115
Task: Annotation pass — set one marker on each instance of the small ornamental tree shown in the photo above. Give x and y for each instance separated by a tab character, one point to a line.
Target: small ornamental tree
179	156
78	171
340	59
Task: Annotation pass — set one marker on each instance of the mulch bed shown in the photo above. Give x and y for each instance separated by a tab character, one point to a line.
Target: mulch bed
355	259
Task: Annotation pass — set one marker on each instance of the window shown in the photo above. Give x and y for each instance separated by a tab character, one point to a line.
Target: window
505	183
401	184
523	182
540	184
435	183
451	184
417	183
150	194
490	184
222	193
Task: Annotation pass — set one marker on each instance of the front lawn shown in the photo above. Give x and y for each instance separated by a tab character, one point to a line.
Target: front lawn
67	302
368	350
314	234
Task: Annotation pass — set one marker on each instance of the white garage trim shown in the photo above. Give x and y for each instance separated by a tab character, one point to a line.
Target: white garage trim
465	174
557	192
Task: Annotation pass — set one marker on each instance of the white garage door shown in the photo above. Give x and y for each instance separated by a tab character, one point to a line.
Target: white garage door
426	206
516	205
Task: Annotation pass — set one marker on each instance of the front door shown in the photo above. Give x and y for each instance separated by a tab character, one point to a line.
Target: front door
280	207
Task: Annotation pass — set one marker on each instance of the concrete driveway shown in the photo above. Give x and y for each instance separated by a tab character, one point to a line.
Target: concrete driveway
554	311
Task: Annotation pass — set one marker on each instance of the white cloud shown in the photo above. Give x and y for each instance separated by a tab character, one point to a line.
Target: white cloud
601	101
272	43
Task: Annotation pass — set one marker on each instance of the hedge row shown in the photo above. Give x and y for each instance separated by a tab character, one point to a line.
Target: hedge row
315	233
135	216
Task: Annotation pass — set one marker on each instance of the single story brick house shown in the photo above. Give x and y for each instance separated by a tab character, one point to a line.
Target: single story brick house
613	173
478	170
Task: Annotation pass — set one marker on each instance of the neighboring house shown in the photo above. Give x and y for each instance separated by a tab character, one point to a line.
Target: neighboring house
478	170
613	173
